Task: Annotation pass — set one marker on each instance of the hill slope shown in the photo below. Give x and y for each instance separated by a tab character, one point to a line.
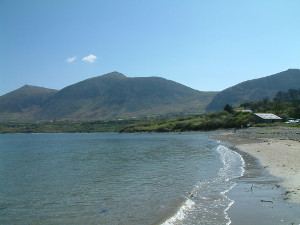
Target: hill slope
114	95
256	89
21	103
104	97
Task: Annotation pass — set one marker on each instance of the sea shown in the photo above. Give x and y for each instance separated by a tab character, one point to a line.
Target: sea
110	178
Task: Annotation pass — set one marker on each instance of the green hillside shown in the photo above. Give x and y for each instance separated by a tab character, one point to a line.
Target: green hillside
256	89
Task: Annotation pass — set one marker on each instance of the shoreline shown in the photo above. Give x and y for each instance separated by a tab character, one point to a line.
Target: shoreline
281	159
278	151
269	191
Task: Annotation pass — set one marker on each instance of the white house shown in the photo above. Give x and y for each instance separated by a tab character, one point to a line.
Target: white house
266	118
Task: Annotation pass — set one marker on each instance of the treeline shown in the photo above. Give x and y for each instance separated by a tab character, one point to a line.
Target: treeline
284	104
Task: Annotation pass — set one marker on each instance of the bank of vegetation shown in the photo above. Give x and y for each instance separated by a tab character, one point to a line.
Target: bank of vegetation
63	126
285	104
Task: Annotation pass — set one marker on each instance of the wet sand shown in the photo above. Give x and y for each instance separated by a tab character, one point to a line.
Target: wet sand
282	159
269	191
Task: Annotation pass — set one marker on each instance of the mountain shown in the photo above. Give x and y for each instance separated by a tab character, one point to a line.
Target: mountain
21	103
256	89
114	95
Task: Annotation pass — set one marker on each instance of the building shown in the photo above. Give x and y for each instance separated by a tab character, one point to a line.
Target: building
266	118
243	110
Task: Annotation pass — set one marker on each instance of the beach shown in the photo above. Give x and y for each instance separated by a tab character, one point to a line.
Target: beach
278	150
270	189
281	158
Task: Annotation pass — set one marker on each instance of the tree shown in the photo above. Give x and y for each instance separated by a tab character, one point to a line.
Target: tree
278	106
293	94
228	108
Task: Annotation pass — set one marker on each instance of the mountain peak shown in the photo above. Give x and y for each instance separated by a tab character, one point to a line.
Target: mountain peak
113	95
114	75
27	87
27	97
28	90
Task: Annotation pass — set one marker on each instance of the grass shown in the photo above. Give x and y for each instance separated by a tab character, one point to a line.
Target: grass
269	132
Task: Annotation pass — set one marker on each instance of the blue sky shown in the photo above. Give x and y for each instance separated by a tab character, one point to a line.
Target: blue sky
206	45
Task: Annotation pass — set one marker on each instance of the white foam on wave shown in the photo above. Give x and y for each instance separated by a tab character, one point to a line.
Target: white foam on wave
226	214
230	160
232	167
181	213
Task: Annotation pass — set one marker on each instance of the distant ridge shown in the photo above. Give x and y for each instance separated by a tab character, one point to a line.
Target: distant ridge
23	102
256	89
24	98
112	95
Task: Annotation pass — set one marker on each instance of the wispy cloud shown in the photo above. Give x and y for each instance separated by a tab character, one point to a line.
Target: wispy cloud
71	59
90	58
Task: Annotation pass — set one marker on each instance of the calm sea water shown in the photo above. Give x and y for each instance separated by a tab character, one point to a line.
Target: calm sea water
115	179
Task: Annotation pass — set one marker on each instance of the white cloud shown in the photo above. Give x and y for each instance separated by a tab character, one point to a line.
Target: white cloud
72	59
89	58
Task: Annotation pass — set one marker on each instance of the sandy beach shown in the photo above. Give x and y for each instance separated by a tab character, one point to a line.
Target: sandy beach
282	159
269	191
277	149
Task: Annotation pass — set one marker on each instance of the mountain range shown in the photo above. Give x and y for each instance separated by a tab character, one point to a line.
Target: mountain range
114	95
108	96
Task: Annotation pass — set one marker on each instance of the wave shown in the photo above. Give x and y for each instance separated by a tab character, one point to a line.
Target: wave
233	163
233	167
181	213
208	203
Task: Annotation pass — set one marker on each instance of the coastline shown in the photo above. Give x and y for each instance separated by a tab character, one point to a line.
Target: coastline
277	149
269	191
281	159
